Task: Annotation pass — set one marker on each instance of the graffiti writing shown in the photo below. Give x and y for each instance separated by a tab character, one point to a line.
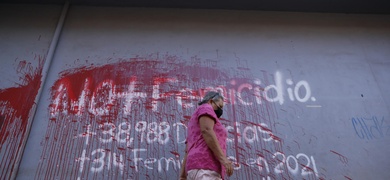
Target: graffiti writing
371	128
299	164
163	132
128	120
100	99
104	159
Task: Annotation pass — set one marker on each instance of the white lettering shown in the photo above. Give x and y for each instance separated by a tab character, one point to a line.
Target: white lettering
278	90
136	159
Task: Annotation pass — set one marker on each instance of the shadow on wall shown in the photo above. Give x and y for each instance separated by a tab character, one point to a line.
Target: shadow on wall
1	120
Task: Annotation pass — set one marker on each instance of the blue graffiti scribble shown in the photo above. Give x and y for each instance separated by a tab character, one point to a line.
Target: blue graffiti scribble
371	128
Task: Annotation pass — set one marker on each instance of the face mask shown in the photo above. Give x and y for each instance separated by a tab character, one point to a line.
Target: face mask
219	111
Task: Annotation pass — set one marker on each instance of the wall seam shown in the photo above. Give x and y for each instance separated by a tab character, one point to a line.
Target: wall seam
45	69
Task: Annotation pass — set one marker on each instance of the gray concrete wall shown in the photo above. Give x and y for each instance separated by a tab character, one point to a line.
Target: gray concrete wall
307	94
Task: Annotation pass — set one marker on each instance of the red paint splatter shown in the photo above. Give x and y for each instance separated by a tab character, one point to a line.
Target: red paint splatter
342	158
15	107
175	153
2	119
348	178
98	98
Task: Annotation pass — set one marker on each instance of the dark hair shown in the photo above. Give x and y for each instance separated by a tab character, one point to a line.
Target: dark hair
215	96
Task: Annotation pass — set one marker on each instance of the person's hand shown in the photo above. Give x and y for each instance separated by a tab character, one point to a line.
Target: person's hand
228	166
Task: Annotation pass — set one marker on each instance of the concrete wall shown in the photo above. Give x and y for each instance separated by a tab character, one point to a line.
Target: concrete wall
307	94
25	36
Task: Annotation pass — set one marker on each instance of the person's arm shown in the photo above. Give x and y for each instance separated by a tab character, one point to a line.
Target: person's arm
183	174
207	128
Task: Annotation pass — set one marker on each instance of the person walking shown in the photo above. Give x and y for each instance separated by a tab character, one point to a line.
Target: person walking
205	157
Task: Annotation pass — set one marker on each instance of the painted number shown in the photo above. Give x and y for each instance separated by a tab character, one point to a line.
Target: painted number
293	164
104	159
152	132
